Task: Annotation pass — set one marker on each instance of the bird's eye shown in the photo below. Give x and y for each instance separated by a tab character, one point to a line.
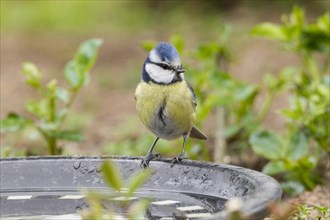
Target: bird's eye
164	66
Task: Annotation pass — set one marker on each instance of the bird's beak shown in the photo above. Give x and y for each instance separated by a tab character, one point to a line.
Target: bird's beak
180	70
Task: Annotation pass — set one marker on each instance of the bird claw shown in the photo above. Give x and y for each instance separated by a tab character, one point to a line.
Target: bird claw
145	162
177	159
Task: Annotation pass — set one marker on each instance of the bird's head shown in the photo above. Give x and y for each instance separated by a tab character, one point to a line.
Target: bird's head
163	65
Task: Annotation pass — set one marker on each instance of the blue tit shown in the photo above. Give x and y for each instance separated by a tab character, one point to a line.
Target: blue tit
165	102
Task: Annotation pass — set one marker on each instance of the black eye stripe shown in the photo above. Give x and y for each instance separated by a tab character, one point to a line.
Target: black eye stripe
164	66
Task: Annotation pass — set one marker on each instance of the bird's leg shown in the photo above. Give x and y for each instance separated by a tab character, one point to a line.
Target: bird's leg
149	156
181	156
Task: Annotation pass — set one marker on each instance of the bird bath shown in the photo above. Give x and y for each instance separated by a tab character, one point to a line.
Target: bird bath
50	187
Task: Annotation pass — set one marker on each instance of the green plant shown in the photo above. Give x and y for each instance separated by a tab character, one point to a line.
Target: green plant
305	211
324	212
299	149
286	210
125	191
48	114
229	100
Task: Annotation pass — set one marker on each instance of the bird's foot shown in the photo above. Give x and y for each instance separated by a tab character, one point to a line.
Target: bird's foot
145	162
177	159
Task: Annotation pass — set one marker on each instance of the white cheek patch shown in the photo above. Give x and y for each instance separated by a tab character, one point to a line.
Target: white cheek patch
153	56
158	74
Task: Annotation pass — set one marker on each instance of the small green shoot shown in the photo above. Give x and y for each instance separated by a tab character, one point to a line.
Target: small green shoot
47	115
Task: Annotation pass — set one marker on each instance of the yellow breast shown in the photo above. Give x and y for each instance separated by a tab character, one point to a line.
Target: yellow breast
174	101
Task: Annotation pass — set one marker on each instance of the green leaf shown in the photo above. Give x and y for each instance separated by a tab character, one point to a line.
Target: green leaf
267	144
138	179
287	77
36	108
32	74
277	84
296	110
51	100
323	90
323	23
232	130
13	122
315	38
147	45
62	94
293	187
298	146
51	86
246	92
62	113
68	135
71	75
86	56
76	71
85	79
274	167
269	30
290	114
208	105
297	17
49	127
207	51
111	175
270	81
324	210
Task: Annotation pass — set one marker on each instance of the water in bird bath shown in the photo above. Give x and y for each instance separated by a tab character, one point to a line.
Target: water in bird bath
50	188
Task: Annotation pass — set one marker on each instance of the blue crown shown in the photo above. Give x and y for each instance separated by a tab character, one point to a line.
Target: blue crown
167	52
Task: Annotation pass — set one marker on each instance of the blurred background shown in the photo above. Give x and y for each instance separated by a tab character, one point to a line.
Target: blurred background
48	33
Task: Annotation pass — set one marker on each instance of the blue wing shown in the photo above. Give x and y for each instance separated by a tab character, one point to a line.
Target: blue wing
195	132
194	99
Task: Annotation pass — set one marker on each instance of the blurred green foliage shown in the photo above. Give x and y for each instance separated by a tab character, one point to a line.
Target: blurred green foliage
70	16
109	17
126	17
304	144
48	114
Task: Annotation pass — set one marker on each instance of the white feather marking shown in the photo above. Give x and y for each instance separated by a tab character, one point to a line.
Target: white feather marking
154	57
158	74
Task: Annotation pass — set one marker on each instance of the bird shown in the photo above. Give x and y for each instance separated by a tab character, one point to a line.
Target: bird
165	102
